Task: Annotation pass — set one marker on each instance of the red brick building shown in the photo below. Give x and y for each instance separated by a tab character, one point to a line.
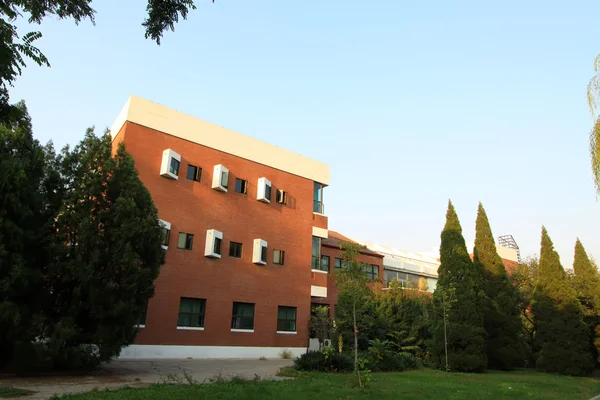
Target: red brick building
331	256
239	218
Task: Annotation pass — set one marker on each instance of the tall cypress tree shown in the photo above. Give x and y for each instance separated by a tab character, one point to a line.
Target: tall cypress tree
587	284
24	225
502	318
562	338
459	303
107	254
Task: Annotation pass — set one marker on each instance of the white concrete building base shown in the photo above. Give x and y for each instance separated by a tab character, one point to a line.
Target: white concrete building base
142	352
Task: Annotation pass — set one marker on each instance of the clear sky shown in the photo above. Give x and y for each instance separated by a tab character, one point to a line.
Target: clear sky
409	102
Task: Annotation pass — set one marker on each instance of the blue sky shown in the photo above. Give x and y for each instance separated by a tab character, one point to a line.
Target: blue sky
410	103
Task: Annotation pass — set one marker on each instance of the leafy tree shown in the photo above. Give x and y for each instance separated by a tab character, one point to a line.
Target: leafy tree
321	324
459	304
593	95
524	278
106	251
162	16
587	285
561	338
407	315
352	283
501	319
24	226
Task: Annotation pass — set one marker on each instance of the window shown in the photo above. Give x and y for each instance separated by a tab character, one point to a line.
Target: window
259	252
242	316
278	257
281	196
191	312
340	264
165	233
217	246
220	178
186	240
263	254
169	167
224	179
316	254
235	249
241	186
286	319
372	271
174	166
263	192
318	199
193	173
325	263
212	247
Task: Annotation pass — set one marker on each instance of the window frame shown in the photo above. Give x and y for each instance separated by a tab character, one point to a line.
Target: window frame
327	264
318	206
189	240
236	318
174	171
217	246
233	246
282	322
196	174
316	258
264	254
280	260
200	314
224	180
281	197
243	184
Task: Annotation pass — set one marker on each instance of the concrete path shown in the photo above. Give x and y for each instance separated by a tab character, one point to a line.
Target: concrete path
136	373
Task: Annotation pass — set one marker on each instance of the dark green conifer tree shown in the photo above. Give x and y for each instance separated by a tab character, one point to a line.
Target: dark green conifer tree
502	321
23	228
587	285
561	338
107	255
459	303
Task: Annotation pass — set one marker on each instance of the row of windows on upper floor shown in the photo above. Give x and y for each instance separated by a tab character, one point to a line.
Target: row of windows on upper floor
321	263
213	245
171	162
371	270
192	312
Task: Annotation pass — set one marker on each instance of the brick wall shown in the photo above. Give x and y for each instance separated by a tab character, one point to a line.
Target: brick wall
194	207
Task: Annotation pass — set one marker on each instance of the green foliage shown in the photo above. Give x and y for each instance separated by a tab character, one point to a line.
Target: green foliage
320	324
561	338
459	302
405	318
79	249
324	361
106	253
502	323
586	283
524	278
25	220
353	288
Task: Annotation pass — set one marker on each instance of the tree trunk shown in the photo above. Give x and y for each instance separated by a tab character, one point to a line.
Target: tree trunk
356	369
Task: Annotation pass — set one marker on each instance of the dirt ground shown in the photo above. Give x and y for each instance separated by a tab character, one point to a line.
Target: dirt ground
141	373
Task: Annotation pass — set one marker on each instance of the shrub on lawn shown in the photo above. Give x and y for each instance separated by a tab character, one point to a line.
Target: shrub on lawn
310	361
320	361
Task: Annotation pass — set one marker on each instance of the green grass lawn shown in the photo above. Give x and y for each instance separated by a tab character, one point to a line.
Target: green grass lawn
420	384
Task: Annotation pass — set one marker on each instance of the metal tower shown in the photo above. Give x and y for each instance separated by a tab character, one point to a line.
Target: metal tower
509	241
